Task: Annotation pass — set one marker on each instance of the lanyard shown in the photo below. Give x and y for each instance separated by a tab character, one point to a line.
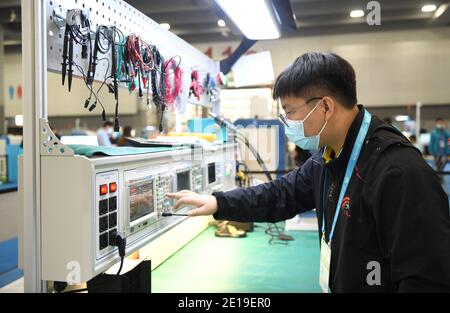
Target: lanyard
349	171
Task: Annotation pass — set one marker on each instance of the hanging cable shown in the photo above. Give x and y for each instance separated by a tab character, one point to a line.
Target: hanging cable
195	87
77	31
273	230
172	93
159	83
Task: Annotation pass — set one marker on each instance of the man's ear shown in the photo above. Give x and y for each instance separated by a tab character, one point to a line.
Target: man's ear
329	107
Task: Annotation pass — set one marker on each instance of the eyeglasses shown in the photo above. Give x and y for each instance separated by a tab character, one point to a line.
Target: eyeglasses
283	117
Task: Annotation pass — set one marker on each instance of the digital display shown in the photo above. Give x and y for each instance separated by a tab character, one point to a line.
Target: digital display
211	173
141	199
183	181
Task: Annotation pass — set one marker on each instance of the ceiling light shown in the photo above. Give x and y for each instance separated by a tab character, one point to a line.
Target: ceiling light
356	13
166	26
221	23
255	18
429	8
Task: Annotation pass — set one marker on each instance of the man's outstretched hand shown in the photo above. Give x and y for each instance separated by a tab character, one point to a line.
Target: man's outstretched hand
205	205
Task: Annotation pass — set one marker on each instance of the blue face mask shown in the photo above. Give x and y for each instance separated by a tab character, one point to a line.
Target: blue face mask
295	131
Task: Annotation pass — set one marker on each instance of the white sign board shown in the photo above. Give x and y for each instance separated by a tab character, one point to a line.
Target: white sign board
253	70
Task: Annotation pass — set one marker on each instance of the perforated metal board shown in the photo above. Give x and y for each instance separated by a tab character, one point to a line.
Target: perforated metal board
128	20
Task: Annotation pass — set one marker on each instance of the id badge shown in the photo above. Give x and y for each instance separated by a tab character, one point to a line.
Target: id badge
442	144
325	261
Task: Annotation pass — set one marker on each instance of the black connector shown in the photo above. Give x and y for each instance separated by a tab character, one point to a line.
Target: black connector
84	49
111	88
93	106
116	124
121	244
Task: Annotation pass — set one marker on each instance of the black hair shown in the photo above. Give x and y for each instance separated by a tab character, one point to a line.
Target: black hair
127	131
316	74
108	124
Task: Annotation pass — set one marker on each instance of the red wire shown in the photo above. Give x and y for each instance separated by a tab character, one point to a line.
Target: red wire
172	94
134	46
195	84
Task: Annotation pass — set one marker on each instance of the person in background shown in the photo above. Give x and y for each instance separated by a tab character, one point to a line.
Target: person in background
128	131
104	134
438	147
413	140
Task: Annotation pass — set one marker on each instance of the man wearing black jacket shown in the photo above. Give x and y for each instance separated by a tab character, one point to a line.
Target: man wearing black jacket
383	216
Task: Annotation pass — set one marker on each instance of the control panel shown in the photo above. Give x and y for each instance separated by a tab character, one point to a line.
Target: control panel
106	211
197	179
110	195
164	185
213	172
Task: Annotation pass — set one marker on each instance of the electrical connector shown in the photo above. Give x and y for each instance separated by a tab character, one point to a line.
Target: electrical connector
116	124
93	106
120	243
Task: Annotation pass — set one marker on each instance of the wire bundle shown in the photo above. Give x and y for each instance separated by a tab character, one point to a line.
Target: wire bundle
273	230
210	86
195	87
137	62
172	93
102	35
77	31
106	39
158	81
78	26
131	61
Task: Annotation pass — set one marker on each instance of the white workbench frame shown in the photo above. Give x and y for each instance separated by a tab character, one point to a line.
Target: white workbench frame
35	66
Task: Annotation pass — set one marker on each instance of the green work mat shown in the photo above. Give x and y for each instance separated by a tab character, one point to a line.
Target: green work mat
251	264
90	151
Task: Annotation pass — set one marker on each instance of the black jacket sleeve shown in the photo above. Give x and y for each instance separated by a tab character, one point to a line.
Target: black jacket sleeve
274	201
413	228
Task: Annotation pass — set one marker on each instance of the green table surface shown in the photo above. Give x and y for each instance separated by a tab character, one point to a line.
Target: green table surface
211	264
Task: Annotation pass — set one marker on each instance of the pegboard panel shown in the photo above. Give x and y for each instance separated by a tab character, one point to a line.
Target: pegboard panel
129	20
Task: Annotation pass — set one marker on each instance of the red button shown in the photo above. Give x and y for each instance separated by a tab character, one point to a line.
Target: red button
112	187
103	190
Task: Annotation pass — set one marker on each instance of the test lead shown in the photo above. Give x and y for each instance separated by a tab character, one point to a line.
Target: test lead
165	214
